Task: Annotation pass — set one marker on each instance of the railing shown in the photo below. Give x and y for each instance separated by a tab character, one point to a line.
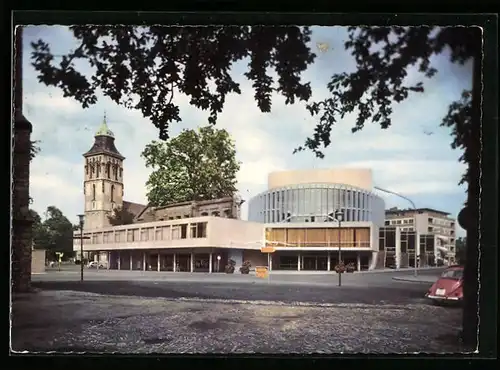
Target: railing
349	244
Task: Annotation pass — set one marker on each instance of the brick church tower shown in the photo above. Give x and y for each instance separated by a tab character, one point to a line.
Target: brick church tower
103	184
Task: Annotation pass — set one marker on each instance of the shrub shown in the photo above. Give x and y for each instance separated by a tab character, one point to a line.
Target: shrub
245	268
229	269
350	267
340	268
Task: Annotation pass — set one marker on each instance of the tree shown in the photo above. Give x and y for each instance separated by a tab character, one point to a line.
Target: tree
195	165
121	216
34	149
153	62
54	234
461	250
40	236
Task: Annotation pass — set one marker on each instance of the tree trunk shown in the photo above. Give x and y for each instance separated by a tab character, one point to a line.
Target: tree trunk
472	156
21	216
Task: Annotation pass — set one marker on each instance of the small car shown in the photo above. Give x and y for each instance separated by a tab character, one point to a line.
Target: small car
449	287
95	264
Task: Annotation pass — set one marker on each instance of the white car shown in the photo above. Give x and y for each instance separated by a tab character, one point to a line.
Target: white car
95	264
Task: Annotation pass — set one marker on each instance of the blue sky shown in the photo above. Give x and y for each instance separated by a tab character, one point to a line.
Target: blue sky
403	158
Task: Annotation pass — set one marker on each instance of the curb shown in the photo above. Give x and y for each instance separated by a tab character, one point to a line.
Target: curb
413	280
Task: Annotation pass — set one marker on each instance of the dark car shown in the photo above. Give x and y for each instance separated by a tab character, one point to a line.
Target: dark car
449	286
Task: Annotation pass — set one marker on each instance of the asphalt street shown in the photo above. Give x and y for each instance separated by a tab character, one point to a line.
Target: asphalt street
364	288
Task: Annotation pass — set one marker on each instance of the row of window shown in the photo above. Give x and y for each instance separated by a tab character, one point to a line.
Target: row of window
92	169
440	221
174	232
387	241
399	222
311	203
440	230
111	192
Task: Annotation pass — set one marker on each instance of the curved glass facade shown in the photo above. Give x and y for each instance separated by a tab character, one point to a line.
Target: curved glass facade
316	203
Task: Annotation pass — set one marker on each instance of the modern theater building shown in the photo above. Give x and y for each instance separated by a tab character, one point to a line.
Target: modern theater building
298	211
295	218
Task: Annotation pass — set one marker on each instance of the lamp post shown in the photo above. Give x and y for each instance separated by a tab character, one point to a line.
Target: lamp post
81	219
339	216
218	261
417	242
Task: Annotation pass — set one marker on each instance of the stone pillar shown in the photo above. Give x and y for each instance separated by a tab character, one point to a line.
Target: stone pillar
21	216
109	261
159	262
144	267
298	262
191	261
130	260
210	263
398	247
174	268
328	261
119	260
359	261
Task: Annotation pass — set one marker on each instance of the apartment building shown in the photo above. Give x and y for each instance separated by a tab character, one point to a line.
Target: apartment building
436	231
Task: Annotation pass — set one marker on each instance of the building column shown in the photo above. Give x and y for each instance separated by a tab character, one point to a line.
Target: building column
191	261
119	260
398	247
158	263
143	261
270	265
109	260
174	268
328	261
210	263
298	262
130	260
359	261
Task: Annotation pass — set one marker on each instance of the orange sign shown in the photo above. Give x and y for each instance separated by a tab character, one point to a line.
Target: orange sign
261	271
267	250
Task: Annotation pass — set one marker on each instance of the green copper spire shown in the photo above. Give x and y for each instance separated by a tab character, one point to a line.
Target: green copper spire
104	129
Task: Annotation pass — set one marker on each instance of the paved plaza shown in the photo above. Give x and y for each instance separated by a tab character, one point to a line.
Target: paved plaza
143	312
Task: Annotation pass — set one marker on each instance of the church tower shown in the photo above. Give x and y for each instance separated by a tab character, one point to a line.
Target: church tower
103	184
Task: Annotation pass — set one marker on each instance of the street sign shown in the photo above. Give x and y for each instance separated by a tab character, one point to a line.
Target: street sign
261	272
267	250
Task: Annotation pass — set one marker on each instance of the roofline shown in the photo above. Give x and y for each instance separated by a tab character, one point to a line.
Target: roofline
111	154
389	211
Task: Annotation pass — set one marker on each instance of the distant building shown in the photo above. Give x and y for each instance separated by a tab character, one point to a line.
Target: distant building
436	232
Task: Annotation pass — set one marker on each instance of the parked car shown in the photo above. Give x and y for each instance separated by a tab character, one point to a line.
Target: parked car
95	264
449	287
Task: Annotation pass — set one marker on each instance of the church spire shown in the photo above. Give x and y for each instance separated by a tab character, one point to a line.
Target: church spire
104	142
104	129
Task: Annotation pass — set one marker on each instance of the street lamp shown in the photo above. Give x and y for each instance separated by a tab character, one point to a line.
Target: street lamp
81	220
218	261
417	242
339	216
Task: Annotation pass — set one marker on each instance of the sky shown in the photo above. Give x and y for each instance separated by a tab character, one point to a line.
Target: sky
403	158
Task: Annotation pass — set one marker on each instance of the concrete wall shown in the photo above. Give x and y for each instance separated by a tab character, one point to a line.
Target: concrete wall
225	232
359	177
221	232
37	261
